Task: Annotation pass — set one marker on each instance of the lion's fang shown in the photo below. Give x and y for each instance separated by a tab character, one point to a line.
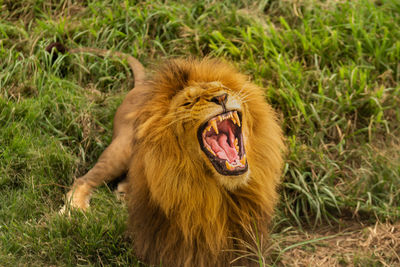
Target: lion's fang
236	144
214	126
243	160
211	151
235	115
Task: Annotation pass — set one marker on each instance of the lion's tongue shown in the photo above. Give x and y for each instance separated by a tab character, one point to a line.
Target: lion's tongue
219	144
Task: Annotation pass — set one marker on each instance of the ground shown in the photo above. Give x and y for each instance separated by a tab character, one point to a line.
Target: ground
350	245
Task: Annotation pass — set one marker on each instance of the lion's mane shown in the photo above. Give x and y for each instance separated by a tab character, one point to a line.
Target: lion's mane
179	213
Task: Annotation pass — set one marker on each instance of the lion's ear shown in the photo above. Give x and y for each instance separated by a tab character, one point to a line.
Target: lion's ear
54	49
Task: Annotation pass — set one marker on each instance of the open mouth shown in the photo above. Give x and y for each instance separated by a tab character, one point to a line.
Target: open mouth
221	139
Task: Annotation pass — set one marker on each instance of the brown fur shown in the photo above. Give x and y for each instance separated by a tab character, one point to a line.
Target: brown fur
181	211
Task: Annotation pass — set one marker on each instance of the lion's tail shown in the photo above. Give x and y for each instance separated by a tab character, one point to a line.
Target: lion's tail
136	67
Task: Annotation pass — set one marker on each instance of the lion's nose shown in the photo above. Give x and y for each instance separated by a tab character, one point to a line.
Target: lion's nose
220	100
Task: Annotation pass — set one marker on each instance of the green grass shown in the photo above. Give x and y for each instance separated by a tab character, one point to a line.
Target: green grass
331	69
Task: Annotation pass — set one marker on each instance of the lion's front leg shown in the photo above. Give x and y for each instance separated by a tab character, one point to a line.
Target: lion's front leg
112	163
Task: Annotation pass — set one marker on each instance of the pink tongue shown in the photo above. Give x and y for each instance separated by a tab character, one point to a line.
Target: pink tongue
230	151
219	144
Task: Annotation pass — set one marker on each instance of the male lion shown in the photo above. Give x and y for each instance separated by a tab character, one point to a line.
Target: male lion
203	155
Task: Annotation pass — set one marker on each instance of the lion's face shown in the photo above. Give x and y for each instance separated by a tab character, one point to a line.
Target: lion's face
210	118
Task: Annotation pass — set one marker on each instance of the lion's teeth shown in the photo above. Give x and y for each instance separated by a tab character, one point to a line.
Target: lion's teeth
236	144
243	160
233	119
219	118
214	125
235	115
211	151
229	166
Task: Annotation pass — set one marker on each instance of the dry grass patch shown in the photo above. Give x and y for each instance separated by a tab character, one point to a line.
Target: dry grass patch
355	245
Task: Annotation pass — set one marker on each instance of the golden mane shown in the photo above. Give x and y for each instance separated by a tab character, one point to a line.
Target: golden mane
180	214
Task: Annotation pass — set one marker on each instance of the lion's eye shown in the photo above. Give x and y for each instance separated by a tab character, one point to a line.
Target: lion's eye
191	102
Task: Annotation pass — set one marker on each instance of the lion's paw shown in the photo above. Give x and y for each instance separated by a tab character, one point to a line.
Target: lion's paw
75	200
121	190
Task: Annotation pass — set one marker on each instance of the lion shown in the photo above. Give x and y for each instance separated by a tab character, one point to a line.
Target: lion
203	155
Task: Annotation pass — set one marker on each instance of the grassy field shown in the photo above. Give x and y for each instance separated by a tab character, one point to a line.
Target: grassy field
331	68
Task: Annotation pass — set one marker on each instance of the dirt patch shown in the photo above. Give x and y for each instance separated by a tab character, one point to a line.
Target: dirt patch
356	245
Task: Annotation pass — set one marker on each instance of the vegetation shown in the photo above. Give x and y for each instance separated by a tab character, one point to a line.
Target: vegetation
331	69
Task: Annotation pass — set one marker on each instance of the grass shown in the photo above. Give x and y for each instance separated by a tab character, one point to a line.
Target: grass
331	69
